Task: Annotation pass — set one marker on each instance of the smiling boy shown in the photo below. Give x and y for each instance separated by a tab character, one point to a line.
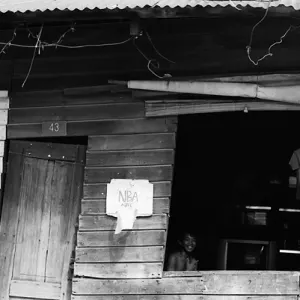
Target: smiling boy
184	259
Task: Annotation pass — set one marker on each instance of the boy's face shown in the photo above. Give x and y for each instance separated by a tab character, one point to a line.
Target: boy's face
189	243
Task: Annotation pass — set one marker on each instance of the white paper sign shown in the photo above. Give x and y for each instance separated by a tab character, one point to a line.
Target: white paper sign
127	199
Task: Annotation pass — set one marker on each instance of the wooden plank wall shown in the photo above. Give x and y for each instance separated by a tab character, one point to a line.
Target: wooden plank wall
225	285
85	112
146	153
125	144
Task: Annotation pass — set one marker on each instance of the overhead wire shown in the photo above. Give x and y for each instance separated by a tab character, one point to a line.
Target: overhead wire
154	47
268	53
41	45
37	47
150	62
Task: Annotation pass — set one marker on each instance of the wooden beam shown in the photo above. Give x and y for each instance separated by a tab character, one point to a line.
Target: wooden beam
104	222
118	270
130	157
119	254
98	206
82	128
206	283
132	142
58	98
63	152
34	289
184	297
98	190
180	107
125	238
76	113
105	174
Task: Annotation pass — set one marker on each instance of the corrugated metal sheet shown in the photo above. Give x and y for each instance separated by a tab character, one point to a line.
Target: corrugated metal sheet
33	5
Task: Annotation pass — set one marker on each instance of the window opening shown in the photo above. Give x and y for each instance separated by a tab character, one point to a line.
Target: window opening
234	204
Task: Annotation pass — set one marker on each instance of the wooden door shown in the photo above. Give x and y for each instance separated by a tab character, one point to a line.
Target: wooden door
40	210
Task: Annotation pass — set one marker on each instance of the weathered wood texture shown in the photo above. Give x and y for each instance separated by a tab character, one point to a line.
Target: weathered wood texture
184	297
45	197
119	270
105	174
146	153
88	112
184	107
126	238
119	254
32	289
134	142
98	190
104	222
8	225
49	151
88	127
98	206
204	283
128	157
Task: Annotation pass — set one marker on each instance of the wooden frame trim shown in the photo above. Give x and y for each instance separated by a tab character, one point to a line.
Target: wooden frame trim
181	107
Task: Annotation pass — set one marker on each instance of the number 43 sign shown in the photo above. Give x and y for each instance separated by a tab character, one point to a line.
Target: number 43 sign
54	128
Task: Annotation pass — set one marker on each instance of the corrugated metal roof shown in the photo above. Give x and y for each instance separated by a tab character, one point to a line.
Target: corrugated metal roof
42	5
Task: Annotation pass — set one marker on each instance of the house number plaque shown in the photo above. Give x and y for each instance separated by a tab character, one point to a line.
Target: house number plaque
54	128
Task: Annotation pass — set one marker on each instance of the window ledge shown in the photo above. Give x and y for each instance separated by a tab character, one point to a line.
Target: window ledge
170	274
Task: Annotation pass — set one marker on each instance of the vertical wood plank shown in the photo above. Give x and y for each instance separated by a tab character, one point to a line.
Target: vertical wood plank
29	240
8	225
45	218
73	209
61	186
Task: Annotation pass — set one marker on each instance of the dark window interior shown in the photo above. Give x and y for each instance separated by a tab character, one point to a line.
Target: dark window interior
231	182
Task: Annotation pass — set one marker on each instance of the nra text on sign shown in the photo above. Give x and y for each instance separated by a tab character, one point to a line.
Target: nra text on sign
54	128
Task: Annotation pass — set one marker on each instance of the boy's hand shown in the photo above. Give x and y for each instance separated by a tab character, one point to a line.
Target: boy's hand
191	264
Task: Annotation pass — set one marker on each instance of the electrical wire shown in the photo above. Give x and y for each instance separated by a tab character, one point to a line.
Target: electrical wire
45	44
150	62
72	29
37	46
151	42
269	53
9	43
248	48
260	21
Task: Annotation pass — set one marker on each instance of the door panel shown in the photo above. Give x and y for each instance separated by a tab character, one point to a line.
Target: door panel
42	227
33	220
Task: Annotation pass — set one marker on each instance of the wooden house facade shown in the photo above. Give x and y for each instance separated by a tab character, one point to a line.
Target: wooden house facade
69	133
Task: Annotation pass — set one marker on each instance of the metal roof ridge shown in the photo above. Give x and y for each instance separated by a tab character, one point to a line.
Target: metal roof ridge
42	5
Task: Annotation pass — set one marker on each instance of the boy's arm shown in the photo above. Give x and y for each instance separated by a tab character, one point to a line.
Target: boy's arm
171	265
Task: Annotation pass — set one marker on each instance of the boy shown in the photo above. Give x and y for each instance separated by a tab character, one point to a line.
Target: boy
184	259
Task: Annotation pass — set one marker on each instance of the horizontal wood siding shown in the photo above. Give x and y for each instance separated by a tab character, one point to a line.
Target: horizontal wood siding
125	149
205	283
34	289
126	238
120	254
120	270
100	110
77	113
104	222
98	190
134	142
105	174
128	157
98	206
184	297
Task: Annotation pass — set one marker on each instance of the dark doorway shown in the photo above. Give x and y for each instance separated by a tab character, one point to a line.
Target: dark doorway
224	163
